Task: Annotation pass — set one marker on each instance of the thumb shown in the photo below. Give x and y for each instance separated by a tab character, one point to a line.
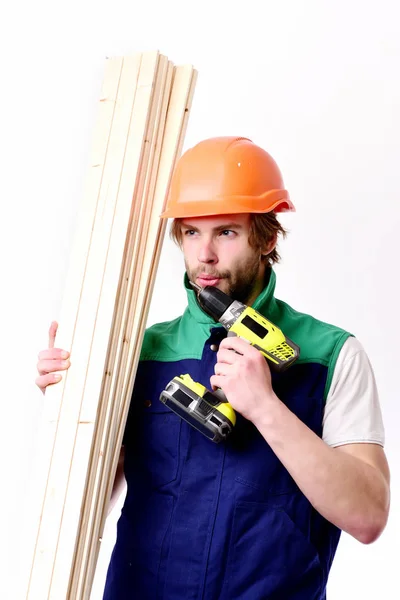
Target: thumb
52	333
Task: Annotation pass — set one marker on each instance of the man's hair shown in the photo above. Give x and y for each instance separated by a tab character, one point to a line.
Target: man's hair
264	227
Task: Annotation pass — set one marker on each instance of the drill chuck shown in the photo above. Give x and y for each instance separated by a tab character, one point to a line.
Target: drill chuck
212	300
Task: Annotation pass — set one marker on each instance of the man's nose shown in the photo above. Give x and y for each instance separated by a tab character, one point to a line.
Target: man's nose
207	253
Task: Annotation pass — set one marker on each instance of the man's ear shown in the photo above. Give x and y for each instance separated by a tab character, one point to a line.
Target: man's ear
270	246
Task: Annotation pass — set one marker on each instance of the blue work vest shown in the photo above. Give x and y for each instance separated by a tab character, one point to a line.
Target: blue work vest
205	521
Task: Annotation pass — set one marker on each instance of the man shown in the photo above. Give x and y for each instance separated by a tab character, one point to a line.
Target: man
258	516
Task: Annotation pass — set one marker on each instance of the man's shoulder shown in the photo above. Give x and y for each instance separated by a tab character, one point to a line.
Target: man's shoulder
159	336
163	327
319	341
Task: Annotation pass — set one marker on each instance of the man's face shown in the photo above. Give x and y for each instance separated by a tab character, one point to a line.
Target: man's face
217	252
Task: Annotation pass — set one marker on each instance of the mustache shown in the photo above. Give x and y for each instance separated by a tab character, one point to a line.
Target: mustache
218	275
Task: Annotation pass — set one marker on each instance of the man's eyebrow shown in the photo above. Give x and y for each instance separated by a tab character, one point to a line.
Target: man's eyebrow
183	224
230	225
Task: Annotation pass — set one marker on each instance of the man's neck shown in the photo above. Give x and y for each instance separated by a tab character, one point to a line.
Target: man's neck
261	283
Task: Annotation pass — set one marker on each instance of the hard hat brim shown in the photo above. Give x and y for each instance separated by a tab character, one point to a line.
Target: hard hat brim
274	200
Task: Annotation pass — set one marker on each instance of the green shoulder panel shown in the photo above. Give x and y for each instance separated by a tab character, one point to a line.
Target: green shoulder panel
175	340
319	342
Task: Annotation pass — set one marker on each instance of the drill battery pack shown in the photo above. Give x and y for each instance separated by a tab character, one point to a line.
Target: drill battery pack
200	407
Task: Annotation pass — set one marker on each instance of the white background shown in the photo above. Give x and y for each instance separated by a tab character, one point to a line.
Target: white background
314	82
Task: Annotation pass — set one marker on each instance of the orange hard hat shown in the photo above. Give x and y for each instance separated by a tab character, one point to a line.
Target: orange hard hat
226	175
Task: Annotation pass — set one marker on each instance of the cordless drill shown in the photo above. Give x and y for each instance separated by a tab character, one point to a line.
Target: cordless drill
207	411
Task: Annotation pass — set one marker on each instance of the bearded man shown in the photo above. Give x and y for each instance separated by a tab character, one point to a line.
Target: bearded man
259	515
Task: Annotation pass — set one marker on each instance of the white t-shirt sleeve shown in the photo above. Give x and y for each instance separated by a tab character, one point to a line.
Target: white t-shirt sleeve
352	411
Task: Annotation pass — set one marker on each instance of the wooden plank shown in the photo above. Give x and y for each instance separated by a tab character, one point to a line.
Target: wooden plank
178	112
108	320
81	343
74	282
181	99
104	330
136	147
122	338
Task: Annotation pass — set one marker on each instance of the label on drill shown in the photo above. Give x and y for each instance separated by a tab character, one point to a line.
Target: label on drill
232	314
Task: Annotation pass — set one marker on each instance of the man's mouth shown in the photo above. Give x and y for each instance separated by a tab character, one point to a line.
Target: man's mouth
204	280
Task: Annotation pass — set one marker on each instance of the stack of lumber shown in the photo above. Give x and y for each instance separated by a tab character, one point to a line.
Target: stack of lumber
143	113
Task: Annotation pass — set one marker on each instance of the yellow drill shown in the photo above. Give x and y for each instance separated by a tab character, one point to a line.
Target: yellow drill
207	411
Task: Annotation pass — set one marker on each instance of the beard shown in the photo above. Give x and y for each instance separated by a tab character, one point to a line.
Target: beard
238	283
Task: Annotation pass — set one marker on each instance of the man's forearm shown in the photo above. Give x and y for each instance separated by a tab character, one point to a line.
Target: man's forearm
346	490
119	484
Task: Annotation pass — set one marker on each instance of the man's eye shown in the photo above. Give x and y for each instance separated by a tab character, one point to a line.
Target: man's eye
226	232
190	232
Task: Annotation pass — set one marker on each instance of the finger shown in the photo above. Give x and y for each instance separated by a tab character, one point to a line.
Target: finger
51	366
53	354
222	369
43	381
217	381
237	344
52	333
240	346
227	356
